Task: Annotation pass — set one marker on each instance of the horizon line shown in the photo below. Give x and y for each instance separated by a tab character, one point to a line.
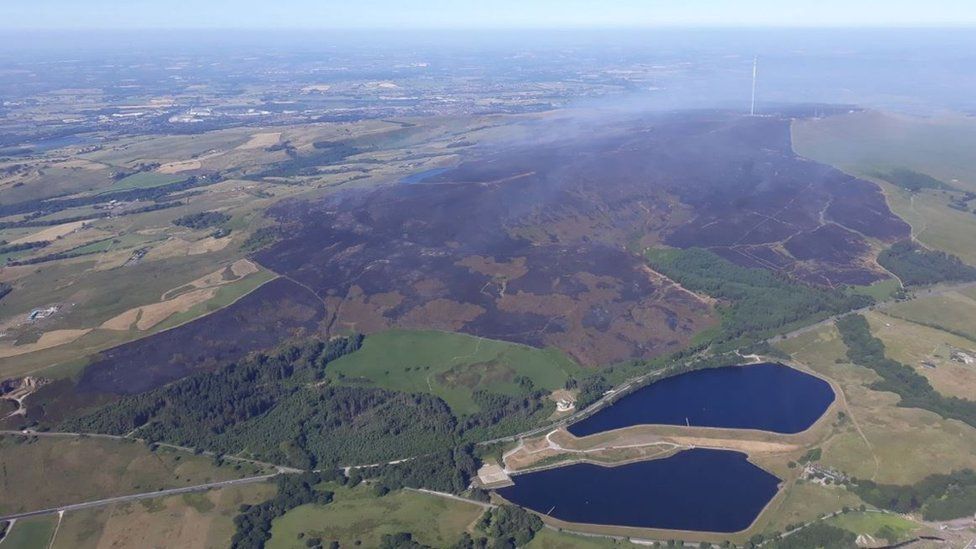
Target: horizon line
663	26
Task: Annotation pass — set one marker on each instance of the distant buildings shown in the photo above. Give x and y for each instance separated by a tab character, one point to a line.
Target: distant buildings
40	314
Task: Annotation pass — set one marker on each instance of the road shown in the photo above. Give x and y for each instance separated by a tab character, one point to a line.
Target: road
61	434
145	495
927	292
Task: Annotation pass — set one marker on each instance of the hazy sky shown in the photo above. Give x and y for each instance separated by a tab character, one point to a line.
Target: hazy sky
112	14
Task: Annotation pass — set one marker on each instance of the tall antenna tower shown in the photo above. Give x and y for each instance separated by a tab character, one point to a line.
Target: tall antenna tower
755	73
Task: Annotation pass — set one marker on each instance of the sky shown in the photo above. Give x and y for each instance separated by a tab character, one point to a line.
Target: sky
465	14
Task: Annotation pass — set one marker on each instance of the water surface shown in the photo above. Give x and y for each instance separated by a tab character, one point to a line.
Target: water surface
769	397
419	177
700	490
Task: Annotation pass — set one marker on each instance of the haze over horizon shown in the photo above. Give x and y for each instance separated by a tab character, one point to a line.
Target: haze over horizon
467	14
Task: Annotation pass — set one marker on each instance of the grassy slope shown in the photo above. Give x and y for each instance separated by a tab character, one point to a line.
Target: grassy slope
952	311
31	533
450	365
203	520
866	143
89	468
144	180
869	142
550	539
357	515
911	344
870	523
72	354
907	443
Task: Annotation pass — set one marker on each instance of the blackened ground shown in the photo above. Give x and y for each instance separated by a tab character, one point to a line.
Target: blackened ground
272	313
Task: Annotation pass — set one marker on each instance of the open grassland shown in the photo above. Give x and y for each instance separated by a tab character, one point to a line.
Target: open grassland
870	523
148	314
928	351
953	312
933	222
878	439
800	502
870	144
357	517
200	520
31	533
38	473
552	539
143	180
121	261
451	366
867	142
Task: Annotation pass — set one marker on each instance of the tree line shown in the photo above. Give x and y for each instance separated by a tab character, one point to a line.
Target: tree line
759	301
914	389
917	266
280	407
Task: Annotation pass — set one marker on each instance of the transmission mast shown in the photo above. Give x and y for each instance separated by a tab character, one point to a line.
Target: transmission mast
755	73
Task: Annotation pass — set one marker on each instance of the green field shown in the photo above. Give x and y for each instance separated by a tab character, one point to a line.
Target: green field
880	291
202	520
226	295
953	312
871	143
89	468
551	539
451	366
357	517
871	522
144	180
31	533
866	143
880	440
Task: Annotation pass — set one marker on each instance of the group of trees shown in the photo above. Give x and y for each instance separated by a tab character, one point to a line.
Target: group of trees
914	389
917	266
911	180
445	471
280	407
47	206
11	248
938	497
201	220
254	521
504	527
759	301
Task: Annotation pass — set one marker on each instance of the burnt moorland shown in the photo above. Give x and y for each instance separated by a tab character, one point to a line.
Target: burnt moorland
539	242
535	242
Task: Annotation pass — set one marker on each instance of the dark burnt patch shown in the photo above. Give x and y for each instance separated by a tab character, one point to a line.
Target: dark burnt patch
266	317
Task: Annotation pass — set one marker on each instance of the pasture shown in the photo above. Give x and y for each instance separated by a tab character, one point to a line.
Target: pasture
357	517
953	312
867	144
200	520
450	366
878	439
929	351
31	533
870	523
88	468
